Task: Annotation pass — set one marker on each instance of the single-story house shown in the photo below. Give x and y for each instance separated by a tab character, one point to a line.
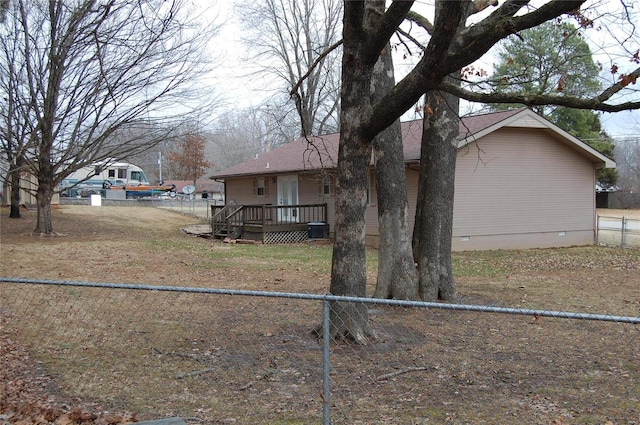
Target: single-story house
521	182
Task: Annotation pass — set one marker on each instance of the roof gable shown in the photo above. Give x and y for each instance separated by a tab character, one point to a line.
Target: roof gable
308	154
525	118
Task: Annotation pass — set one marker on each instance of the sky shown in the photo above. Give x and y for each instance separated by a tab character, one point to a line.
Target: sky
242	88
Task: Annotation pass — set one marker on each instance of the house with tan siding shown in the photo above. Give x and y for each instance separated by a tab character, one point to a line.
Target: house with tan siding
521	182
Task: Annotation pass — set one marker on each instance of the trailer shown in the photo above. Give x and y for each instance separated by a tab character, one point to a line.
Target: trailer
104	177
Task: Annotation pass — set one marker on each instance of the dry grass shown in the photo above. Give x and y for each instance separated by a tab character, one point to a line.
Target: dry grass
221	359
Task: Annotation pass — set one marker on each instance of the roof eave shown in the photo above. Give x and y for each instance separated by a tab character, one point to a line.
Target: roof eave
265	172
600	160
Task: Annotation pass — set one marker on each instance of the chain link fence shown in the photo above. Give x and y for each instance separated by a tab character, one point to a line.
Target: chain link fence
191	205
186	204
618	231
227	356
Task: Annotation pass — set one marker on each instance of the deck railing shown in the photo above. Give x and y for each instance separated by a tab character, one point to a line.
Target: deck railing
232	216
266	215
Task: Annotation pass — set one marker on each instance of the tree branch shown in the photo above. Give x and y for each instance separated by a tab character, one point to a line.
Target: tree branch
420	20
475	7
410	37
606	94
597	103
386	26
469	45
294	90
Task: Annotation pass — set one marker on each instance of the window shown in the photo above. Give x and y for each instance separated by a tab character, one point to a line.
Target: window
120	173
371	189
260	187
138	175
327	186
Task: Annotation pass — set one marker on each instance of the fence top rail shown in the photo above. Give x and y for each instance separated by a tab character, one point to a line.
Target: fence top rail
336	298
610	217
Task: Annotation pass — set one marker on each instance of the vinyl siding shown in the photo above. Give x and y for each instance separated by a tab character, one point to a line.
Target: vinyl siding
240	190
515	188
310	192
514	182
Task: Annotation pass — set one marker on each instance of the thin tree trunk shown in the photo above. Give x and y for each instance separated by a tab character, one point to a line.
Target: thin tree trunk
14	176
434	214
397	276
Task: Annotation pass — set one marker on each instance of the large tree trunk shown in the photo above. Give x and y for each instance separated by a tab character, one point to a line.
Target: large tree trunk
348	266
397	276
434	212
44	222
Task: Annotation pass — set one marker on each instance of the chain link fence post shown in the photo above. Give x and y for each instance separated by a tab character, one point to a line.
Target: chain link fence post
326	364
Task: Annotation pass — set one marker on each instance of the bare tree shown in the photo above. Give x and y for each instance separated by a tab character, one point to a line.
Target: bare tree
14	133
454	44
97	76
294	39
243	133
628	161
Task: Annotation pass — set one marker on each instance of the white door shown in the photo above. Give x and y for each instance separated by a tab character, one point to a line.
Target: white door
288	195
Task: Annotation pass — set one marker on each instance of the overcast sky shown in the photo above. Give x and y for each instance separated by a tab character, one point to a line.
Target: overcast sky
242	88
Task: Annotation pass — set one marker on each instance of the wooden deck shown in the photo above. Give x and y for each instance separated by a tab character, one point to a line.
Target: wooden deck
270	223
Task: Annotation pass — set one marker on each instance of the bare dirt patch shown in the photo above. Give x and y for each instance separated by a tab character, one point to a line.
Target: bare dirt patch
221	360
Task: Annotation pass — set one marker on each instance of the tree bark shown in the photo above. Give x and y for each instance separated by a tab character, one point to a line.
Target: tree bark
44	221
14	175
450	49
433	227
348	265
434	212
397	276
46	186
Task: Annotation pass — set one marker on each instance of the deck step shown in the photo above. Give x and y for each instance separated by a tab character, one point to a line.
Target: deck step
226	233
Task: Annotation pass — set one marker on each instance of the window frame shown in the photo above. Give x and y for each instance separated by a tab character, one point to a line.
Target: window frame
327	185
371	189
260	191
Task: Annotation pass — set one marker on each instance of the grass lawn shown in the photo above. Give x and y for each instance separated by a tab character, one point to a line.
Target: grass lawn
223	359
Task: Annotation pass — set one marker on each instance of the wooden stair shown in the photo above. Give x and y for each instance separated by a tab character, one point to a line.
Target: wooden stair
225	232
227	223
